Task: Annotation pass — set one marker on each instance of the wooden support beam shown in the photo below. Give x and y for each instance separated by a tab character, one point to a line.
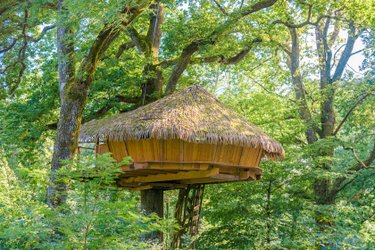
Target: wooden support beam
226	177
167	185
171	177
179	166
165	166
140	188
205	181
102	148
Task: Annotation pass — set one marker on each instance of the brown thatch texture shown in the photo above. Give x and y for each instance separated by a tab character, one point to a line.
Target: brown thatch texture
191	114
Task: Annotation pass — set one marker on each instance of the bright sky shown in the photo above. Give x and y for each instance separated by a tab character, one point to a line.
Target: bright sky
356	60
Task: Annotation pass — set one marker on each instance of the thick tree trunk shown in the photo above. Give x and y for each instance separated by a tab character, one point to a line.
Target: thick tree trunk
66	143
73	89
149	46
325	188
295	72
152	202
153	87
70	108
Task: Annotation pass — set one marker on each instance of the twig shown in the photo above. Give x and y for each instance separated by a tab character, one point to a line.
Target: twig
358	51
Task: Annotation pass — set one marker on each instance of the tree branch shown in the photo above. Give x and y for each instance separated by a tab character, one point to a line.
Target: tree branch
335	33
346	54
335	54
9	47
360	165
300	25
123	47
128	99
190	49
258	6
105	109
104	39
44	31
21	55
180	66
227	60
358	51
346	183
220	7
138	41
361	99
168	62
366	163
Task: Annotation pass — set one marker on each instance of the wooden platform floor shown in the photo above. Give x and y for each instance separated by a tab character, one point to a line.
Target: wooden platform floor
174	175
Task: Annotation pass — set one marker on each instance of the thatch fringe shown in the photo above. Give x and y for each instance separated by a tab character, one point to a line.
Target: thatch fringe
192	115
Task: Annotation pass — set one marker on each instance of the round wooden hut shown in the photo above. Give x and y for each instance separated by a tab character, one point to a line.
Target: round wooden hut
185	138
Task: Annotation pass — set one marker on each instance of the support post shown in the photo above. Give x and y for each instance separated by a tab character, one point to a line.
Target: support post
188	207
152	202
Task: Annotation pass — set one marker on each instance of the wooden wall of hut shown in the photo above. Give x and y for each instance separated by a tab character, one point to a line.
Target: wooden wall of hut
178	151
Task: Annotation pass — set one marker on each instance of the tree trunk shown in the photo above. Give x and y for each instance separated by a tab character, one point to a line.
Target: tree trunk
295	72
73	88
70	108
325	189
152	202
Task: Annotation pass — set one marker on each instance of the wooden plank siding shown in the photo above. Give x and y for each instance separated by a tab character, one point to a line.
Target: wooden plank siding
153	150
176	162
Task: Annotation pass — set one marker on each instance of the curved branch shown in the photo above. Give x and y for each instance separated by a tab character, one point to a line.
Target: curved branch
227	60
44	31
124	47
300	25
335	54
9	47
350	111
212	38
103	110
362	164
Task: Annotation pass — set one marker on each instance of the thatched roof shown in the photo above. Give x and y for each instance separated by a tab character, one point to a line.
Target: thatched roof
192	115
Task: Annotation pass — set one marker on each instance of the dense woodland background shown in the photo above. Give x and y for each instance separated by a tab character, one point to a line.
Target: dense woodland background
301	70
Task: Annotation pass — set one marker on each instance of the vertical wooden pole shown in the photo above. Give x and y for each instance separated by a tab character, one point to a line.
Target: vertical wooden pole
188	207
152	202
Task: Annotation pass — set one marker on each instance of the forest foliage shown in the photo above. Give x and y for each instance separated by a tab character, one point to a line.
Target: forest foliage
303	71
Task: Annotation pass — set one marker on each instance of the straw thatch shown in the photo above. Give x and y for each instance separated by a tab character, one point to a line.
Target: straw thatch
192	115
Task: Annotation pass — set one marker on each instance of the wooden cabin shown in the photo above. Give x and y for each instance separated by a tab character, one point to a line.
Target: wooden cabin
185	138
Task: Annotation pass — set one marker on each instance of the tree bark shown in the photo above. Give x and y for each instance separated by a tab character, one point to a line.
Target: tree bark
153	87
73	88
295	72
152	202
70	108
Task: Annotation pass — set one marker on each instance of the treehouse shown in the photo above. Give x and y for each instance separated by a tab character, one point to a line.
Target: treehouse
185	138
